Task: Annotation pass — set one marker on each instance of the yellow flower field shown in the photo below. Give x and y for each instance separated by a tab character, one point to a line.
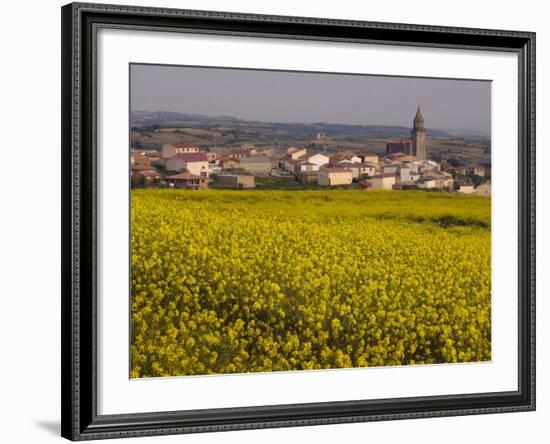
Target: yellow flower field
250	281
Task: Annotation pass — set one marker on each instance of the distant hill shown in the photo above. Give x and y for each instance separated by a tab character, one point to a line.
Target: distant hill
168	119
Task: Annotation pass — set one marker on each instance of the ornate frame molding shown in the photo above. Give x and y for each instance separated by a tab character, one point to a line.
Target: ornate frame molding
79	394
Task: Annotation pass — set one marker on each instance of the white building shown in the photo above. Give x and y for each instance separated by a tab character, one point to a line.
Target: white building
391	168
171	149
194	163
466	188
334	176
296	153
383	181
305	167
318	159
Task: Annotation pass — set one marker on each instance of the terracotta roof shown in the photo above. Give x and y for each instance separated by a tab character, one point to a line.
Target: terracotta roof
295	161
186	176
308	156
343	155
138	167
192	157
150	173
336	170
348	164
229	159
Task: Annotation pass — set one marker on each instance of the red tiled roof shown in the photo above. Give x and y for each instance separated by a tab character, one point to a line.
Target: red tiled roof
295	161
308	156
186	176
344	155
193	157
336	170
229	159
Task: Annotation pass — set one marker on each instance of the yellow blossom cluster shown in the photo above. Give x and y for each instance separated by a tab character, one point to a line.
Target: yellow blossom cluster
226	281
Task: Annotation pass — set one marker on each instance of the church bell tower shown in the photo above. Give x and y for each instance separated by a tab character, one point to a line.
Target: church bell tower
419	136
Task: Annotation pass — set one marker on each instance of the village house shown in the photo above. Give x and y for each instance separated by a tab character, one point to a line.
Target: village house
369	158
305	167
383	181
171	149
236	180
250	148
306	177
295	153
288	164
441	181
421	166
391	167
484	189
344	156
358	170
187	180
256	164
194	163
472	170
369	169
430	182
239	153
139	159
464	187
144	175
318	159
413	177
331	176
404	172
228	163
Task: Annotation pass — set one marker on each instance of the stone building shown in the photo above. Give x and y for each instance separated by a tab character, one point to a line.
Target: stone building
419	136
416	145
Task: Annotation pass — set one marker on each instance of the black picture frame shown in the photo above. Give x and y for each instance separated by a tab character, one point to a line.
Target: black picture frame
80	420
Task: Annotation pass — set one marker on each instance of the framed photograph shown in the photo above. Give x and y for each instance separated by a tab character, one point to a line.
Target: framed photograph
282	221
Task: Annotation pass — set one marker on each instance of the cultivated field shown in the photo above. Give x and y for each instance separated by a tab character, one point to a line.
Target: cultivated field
248	281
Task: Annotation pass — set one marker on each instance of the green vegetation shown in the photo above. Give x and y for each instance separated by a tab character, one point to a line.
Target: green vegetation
248	281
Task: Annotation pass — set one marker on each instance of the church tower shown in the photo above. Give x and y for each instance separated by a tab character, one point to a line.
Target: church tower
419	136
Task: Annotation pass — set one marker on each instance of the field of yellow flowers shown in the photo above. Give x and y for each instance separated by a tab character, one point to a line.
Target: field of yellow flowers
249	281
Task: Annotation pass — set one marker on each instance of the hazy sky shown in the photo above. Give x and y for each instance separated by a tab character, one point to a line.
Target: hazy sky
282	96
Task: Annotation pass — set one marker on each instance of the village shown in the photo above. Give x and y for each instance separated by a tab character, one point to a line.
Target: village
404	165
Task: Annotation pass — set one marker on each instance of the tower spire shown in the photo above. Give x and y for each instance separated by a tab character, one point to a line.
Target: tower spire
419	135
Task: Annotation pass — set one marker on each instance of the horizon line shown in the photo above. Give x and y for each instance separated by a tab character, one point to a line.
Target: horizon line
487	133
